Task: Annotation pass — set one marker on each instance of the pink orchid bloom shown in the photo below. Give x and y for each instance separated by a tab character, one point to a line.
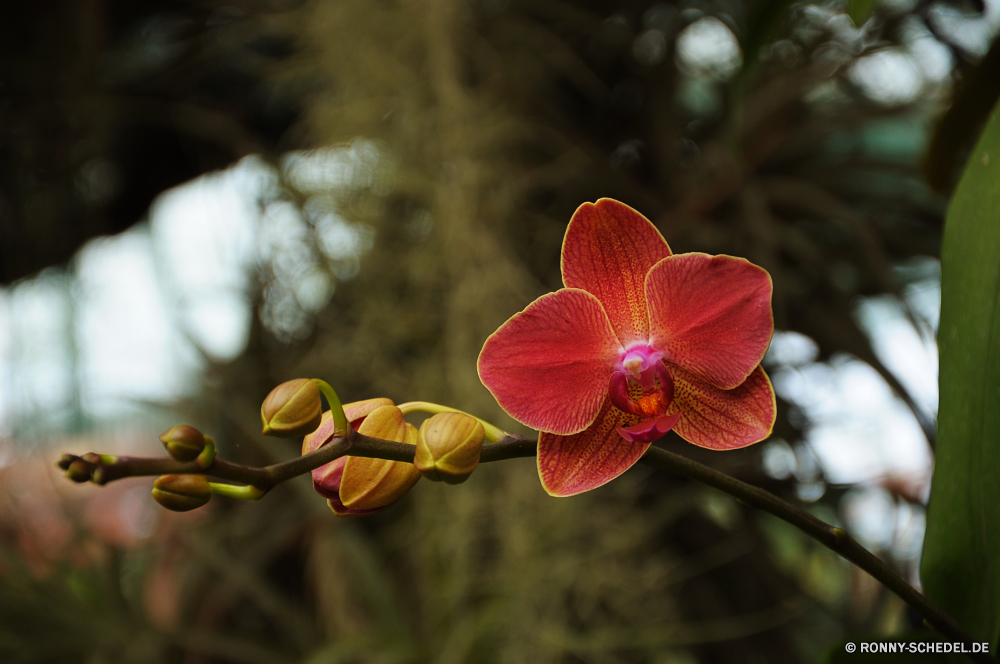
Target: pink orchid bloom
639	342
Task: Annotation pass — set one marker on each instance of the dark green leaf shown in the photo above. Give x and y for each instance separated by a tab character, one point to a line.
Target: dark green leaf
961	563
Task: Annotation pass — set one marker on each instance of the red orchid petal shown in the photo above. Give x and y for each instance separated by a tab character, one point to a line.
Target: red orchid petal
723	419
549	365
607	251
568	465
650	430
710	315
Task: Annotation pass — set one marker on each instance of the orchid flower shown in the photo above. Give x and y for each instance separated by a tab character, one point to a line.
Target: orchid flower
639	342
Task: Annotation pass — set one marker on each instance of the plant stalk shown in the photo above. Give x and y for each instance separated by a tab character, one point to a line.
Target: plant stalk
510	447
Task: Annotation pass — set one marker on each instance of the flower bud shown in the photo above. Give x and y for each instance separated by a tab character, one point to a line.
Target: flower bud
183	442
292	409
357	486
182	493
356	412
80	471
65	461
448	447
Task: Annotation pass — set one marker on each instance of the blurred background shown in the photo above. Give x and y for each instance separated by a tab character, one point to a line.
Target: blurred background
200	199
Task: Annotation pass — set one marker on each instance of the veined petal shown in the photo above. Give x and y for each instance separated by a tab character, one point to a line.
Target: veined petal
357	411
568	465
607	251
710	315
723	419
368	483
549	365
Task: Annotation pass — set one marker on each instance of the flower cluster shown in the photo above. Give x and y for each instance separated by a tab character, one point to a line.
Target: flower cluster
638	343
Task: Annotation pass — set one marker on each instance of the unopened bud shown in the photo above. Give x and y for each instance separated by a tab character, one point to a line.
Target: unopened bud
183	442
80	471
448	447
355	412
65	461
182	493
292	409
373	484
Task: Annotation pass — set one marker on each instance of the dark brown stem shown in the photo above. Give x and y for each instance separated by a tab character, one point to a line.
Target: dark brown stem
835	539
512	447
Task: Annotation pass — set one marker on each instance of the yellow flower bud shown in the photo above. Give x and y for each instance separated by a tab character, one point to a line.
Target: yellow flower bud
80	471
448	447
183	442
355	412
292	409
369	484
182	493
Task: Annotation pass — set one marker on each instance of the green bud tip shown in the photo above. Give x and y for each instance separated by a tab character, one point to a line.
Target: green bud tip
292	409
182	493
448	447
183	442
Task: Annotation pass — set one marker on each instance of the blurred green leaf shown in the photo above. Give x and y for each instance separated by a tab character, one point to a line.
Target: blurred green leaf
961	563
860	10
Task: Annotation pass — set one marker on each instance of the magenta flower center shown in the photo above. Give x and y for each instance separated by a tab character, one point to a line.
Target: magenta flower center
644	388
639	359
646	392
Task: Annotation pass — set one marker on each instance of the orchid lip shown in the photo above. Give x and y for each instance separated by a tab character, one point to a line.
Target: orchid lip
657	388
650	430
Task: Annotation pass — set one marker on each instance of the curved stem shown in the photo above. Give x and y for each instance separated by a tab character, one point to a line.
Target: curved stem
493	433
207	456
835	539
340	424
510	447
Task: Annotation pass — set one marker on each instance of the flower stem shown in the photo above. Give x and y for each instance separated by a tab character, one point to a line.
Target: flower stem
509	447
341	426
493	433
241	492
835	539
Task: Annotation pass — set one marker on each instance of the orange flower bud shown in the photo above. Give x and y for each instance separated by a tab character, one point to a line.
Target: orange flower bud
292	409
183	442
448	447
372	484
182	493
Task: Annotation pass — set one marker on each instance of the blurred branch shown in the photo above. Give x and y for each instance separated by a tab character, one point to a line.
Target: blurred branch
836	539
